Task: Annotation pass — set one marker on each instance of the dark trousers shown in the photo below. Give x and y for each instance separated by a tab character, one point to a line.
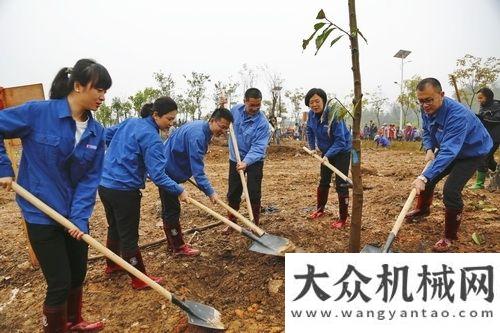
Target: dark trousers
254	174
62	258
170	208
489	160
123	213
341	161
458	172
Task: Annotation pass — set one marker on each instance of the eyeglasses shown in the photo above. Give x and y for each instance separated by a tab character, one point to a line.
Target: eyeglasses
427	101
222	127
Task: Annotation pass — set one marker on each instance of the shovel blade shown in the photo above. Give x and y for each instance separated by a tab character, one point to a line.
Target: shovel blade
280	244
203	315
373	249
273	245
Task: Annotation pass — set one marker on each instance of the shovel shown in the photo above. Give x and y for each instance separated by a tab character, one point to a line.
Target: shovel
198	314
397	225
242	175
329	165
261	245
280	244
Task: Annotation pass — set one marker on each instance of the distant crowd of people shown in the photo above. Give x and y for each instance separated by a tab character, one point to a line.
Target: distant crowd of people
386	133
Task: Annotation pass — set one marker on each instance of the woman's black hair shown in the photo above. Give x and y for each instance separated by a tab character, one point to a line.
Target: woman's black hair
488	93
315	91
83	72
161	106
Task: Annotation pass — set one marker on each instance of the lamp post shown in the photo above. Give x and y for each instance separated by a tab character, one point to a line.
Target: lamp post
402	54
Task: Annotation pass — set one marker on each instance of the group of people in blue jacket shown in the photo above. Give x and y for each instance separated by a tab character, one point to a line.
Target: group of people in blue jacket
68	157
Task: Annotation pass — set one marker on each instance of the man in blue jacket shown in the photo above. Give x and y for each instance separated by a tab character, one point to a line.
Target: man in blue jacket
462	142
252	134
184	152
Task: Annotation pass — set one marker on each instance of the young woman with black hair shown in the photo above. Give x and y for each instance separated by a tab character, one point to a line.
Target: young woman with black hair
61	164
135	150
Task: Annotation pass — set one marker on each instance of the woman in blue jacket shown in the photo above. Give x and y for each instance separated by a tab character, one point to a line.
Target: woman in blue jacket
135	151
61	164
331	137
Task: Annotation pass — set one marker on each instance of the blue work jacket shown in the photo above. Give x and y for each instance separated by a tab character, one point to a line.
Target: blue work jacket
185	150
63	176
458	134
252	134
134	151
330	136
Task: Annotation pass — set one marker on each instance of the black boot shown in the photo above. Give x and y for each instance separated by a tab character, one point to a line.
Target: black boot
256	213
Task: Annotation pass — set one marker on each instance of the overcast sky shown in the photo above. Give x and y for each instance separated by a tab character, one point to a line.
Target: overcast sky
133	39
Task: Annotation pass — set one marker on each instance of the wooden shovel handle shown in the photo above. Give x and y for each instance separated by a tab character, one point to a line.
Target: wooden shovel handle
242	175
406	206
233	211
215	214
89	240
328	165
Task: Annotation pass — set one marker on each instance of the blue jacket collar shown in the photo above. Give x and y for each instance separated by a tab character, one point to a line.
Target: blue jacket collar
206	130
64	111
151	121
441	112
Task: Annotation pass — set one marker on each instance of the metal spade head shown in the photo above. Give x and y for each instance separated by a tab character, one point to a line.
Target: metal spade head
373	249
203	315
271	244
200	314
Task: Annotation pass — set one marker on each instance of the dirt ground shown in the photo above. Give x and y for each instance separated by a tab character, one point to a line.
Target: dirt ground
246	287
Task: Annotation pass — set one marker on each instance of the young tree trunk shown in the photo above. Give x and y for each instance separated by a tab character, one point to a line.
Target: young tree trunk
357	192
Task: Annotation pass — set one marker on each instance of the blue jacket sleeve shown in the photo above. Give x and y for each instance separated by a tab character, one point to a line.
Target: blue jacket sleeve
453	139
110	133
83	201
311	139
155	162
338	131
259	144
196	153
14	123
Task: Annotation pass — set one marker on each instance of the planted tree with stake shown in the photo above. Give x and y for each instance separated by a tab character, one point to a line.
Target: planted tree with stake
322	31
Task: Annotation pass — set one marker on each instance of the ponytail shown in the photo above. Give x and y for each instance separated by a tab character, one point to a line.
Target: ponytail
85	71
60	86
147	110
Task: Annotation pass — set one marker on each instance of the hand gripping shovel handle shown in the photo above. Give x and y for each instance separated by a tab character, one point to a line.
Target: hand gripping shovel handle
401	217
328	165
242	175
230	209
91	241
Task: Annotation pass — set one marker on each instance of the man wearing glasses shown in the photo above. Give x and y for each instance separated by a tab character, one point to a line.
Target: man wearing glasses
184	152
462	142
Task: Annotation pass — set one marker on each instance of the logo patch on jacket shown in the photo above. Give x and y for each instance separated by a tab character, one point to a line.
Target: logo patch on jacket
91	147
